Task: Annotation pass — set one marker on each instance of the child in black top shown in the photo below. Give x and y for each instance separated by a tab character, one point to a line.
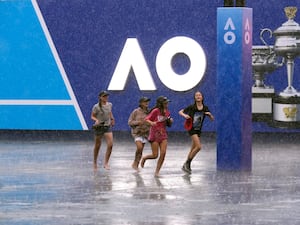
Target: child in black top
197	113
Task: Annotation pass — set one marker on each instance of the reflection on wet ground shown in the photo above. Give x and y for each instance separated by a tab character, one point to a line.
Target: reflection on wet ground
52	181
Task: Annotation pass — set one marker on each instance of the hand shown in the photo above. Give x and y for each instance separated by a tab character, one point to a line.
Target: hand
142	122
152	123
169	121
186	116
112	122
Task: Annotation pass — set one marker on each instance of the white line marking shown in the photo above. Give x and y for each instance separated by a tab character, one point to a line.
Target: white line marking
59	64
36	102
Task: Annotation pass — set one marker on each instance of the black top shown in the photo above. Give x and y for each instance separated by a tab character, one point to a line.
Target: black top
197	115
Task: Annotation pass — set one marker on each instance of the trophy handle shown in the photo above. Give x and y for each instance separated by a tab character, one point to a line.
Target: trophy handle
262	38
283	61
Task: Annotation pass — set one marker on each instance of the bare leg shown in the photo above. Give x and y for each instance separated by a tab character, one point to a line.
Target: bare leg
161	159
154	155
195	148
96	149
109	141
138	154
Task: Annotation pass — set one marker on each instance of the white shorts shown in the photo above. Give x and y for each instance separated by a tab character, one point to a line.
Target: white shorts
141	139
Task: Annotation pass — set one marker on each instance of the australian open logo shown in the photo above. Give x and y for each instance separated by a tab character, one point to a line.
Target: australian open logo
132	57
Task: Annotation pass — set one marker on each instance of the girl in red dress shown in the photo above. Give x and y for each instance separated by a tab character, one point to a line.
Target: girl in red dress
159	118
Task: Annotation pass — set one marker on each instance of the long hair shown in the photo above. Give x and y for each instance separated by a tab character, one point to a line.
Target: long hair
195	103
160	105
100	104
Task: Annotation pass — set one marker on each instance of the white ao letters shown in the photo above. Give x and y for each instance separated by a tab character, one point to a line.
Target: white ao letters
247	37
132	57
230	37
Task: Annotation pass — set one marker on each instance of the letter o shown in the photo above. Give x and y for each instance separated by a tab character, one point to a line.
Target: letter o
165	72
247	37
229	37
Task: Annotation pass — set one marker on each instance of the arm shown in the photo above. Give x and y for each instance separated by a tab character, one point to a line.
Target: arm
184	115
151	123
170	120
112	119
211	117
94	117
209	114
132	119
150	118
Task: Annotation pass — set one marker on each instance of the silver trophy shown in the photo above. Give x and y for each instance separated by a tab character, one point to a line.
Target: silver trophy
286	105
287	45
264	62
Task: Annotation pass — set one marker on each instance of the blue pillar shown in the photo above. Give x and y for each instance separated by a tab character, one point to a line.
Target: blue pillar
234	82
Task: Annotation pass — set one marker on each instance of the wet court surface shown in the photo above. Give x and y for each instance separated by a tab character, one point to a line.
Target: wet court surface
52	181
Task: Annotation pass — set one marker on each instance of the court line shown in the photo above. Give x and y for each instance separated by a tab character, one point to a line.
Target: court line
60	67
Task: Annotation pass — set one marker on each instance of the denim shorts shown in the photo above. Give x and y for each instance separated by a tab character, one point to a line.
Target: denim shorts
100	130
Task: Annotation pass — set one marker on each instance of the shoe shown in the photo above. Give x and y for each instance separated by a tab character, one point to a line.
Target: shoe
186	168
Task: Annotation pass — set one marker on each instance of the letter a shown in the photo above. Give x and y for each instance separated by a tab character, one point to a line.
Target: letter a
229	24
132	57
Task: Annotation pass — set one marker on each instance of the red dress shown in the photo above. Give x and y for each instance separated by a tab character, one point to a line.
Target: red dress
158	132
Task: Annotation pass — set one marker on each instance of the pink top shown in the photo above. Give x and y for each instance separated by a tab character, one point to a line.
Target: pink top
158	132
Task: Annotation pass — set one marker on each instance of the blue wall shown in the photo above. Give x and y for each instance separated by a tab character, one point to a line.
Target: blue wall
89	37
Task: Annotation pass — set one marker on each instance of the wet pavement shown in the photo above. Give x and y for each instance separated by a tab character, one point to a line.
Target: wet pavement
49	179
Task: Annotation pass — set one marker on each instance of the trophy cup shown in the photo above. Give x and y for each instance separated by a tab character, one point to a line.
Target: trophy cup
287	45
286	105
264	61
